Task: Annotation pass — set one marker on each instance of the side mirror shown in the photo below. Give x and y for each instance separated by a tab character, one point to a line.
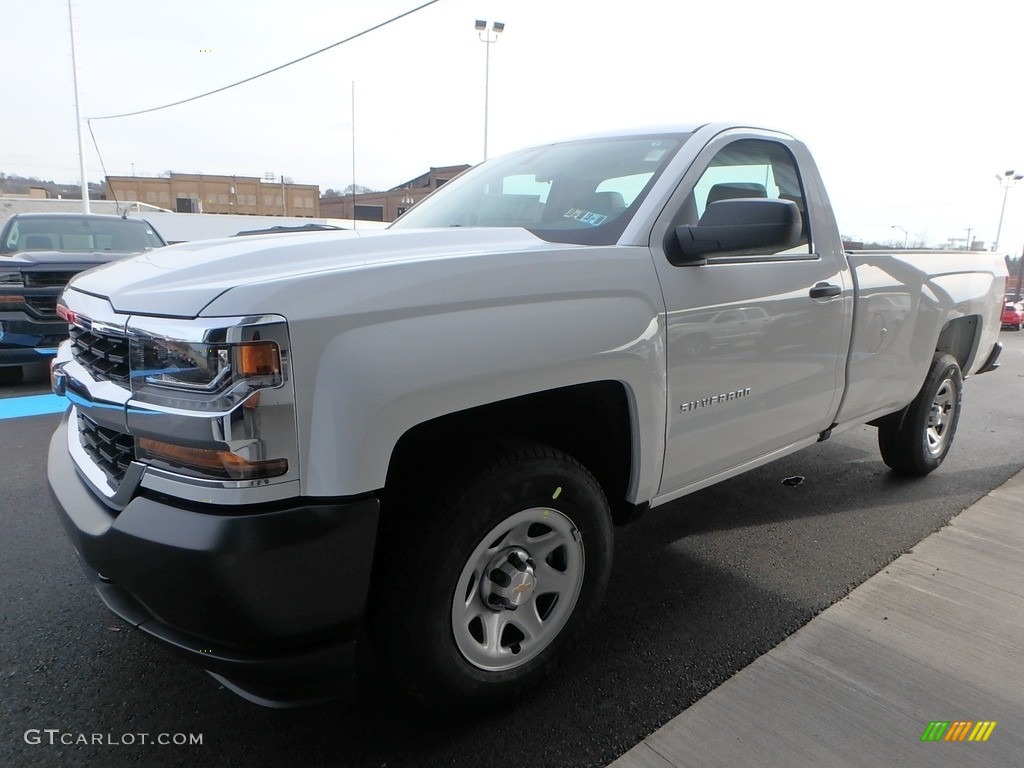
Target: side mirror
742	224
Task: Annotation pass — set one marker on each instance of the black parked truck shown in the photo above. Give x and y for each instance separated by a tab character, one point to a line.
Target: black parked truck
39	254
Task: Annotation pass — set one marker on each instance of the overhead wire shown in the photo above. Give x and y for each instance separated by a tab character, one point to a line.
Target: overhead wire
269	71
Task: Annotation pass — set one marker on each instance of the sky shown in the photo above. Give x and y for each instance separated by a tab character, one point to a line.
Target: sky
911	109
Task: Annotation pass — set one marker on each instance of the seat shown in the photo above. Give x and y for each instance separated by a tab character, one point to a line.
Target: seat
38	243
734	190
126	243
605	203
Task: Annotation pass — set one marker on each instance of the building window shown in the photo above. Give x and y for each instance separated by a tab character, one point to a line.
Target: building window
370	212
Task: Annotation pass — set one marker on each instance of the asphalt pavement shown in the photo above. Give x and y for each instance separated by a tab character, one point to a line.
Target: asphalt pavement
701	589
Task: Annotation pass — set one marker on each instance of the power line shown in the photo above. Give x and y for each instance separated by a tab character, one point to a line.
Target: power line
271	71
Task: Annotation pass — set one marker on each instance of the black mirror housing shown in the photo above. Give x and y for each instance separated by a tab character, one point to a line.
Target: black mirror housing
741	224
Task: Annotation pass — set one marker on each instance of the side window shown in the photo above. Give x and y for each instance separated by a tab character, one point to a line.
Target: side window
750	168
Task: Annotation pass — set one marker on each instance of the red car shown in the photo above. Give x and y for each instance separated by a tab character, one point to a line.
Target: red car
1013	316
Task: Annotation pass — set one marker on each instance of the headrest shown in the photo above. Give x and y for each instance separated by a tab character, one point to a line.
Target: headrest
735	189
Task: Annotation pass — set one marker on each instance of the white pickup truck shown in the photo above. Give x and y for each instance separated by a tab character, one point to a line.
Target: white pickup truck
427	433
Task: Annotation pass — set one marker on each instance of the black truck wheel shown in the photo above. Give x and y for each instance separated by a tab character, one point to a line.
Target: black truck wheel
916	440
498	583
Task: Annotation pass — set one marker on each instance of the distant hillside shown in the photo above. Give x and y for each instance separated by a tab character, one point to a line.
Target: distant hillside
12	184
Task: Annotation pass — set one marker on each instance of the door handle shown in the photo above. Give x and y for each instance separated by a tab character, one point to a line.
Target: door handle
825	290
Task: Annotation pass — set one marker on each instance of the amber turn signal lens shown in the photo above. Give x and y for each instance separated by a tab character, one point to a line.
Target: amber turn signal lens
259	358
222	463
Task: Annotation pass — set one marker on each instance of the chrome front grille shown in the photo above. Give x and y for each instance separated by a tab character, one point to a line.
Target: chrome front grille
43	306
110	450
41	279
104	356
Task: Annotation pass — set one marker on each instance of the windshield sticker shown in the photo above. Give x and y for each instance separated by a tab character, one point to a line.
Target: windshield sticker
593	219
655	155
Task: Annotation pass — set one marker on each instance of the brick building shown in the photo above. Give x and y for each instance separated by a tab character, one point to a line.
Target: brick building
388	205
200	193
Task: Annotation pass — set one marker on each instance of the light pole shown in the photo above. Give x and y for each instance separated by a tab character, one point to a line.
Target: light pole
485	34
78	114
905	234
1007	179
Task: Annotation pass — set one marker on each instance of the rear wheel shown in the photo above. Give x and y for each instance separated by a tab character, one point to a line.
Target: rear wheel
916	440
499	582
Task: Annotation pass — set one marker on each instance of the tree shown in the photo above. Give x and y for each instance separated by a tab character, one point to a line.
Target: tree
356	189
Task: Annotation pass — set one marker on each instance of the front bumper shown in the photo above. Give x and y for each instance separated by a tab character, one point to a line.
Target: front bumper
28	341
269	600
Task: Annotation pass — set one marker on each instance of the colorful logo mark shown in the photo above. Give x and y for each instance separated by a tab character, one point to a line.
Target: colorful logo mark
958	730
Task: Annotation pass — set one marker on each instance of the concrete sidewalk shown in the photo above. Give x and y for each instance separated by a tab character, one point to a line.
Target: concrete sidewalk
938	635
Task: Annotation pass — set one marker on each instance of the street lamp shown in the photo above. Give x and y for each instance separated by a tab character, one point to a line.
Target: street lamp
484	32
78	114
1007	179
905	234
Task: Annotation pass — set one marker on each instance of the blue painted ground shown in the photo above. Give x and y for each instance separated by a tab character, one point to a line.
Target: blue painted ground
33	405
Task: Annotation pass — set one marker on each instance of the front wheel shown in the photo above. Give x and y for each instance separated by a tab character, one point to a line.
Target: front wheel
499	583
916	440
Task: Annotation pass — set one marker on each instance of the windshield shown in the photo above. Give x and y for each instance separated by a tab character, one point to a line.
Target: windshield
576	192
78	234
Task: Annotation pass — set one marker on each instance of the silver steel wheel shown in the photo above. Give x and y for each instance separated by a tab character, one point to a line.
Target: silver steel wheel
941	416
518	589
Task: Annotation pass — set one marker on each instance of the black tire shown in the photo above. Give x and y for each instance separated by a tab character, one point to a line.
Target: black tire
440	588
916	440
11	374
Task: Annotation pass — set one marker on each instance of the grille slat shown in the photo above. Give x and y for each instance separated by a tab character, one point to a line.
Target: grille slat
47	279
45	306
106	357
110	450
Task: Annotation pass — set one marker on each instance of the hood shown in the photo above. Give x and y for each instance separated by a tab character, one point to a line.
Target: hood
62	258
181	280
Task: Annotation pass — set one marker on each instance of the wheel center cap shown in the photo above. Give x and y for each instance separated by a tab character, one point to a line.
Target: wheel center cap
521	588
509	580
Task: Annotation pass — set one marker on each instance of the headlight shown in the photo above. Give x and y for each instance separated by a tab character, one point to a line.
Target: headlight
206	368
11	289
198	365
211	397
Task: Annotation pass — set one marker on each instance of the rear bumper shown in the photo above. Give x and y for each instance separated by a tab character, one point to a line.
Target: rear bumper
270	601
993	359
